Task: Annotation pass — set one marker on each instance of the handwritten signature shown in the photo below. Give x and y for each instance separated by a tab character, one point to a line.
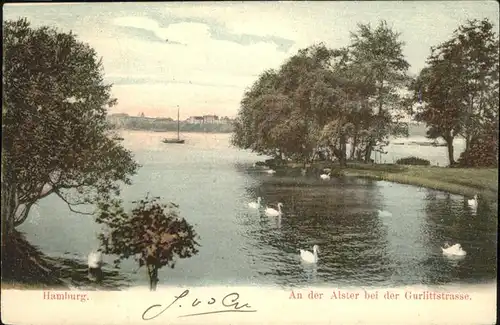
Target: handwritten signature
230	302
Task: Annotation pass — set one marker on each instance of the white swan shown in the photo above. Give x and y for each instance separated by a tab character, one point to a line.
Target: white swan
309	257
473	203
383	213
95	263
270	212
455	250
95	260
325	176
255	205
271	171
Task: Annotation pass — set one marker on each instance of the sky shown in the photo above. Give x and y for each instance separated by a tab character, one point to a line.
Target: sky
201	57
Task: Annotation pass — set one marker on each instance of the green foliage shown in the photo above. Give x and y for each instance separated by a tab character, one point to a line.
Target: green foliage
273	119
320	99
152	233
377	57
413	161
483	150
459	85
56	139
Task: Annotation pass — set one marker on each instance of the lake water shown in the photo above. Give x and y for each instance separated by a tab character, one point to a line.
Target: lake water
213	182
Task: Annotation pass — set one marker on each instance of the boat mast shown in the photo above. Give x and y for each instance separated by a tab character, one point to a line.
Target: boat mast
178	127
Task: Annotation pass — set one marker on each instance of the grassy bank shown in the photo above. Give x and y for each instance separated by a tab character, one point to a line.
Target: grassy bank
462	181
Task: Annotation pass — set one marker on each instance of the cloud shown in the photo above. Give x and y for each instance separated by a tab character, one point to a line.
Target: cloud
245	18
195	78
216	50
201	74
302	23
184	33
202	59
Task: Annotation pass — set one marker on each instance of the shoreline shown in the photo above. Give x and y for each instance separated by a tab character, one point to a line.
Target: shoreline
492	283
26	267
460	181
175	131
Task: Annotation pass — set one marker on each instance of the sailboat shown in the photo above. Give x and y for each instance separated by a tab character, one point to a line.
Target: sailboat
178	140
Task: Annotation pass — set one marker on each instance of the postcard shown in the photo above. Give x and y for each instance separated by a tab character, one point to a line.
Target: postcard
250	163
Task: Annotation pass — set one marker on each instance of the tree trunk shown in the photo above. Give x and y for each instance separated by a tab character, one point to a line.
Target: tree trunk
467	142
9	203
343	149
354	144
5	214
153	276
358	154
449	144
368	152
4	193
380	103
305	162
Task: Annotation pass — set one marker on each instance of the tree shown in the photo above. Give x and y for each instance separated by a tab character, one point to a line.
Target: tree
320	98
483	150
280	114
153	233
252	124
337	102
477	49
376	58
56	139
440	111
459	85
262	108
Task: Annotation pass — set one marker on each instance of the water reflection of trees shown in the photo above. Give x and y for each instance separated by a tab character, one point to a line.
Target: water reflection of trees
339	216
450	219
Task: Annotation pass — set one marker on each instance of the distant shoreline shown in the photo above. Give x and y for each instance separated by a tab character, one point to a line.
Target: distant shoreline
415	130
175	131
169	125
460	181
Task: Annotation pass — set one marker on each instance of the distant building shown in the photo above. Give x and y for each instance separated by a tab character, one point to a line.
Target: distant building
210	119
195	120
